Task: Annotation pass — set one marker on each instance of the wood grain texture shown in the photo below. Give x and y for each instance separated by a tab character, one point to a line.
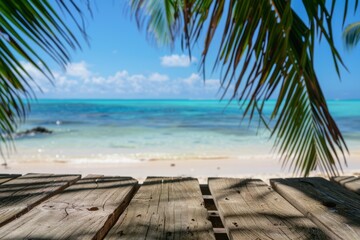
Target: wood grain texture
165	208
21	194
334	209
350	182
7	177
85	210
250	209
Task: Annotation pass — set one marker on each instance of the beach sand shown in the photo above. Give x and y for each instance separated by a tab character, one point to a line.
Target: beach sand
201	169
141	138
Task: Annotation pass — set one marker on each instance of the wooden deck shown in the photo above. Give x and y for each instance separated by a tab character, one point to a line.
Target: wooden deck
49	206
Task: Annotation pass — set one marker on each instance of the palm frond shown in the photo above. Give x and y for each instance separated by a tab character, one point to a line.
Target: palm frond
31	31
266	45
164	27
351	34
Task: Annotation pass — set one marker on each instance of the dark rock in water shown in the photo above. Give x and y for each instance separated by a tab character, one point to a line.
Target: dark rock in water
38	130
33	131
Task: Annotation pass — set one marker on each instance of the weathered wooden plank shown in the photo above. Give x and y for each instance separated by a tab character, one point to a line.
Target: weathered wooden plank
85	210
165	208
350	182
21	194
334	209
250	209
7	177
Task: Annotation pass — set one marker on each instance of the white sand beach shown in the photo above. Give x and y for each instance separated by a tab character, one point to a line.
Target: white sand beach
201	169
158	138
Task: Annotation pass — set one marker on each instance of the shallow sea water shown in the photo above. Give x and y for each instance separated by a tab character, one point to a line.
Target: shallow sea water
145	130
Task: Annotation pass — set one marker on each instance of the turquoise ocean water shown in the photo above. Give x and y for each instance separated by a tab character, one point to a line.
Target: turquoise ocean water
145	130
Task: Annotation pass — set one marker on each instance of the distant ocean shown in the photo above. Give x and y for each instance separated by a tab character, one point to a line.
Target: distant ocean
86	131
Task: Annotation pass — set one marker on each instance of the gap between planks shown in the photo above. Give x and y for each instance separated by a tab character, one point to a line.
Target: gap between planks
334	209
88	209
19	195
165	208
350	182
7	177
251	209
214	217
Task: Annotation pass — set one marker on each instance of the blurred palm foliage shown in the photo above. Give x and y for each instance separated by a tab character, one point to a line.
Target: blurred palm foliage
31	32
266	50
352	34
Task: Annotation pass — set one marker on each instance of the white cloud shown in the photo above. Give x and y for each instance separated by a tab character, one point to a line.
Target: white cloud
176	60
192	79
79	69
195	83
117	76
212	83
157	77
97	80
136	78
80	81
34	72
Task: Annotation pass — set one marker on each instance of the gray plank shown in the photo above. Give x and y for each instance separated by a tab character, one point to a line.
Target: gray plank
21	194
350	182
7	177
250	209
334	209
165	208
85	210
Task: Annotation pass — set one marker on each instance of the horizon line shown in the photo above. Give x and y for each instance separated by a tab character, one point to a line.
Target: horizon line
166	99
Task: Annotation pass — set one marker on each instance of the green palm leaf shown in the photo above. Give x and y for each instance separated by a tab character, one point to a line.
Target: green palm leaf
352	34
265	45
30	31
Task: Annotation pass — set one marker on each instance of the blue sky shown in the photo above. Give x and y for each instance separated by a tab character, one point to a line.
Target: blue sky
121	63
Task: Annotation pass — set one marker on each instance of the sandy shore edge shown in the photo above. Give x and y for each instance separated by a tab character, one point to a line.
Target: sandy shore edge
196	168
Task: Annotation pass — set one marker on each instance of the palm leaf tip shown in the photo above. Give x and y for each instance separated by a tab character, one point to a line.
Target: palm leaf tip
351	34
